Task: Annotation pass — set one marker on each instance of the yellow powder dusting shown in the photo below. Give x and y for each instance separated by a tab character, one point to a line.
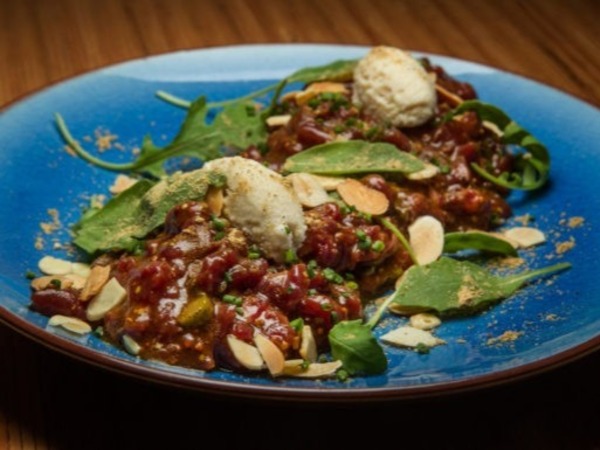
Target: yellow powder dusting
563	247
524	220
510	262
467	291
97	201
576	221
69	150
39	243
104	140
507	336
54	224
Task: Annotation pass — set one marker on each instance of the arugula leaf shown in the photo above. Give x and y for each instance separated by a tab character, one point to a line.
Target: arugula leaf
477	240
353	157
130	216
353	343
450	286
532	167
237	127
341	70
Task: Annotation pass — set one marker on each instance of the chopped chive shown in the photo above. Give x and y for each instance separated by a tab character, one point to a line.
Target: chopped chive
365	245
218	224
361	235
290	256
312	292
297	325
219	235
377	246
305	364
55	283
311	267
342	375
422	348
352	285
239	310
326	306
30	275
333	276
232	299
227	277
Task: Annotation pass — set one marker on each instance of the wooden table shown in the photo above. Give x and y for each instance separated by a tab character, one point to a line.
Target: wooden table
50	401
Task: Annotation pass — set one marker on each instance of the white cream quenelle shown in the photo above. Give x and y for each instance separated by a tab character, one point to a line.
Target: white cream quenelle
393	86
261	203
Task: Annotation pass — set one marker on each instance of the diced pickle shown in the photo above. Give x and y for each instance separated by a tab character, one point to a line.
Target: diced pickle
197	312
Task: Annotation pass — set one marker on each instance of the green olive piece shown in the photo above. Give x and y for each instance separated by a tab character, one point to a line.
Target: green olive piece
197	312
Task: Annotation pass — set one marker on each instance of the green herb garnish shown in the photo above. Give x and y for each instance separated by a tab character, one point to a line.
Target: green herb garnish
476	240
532	166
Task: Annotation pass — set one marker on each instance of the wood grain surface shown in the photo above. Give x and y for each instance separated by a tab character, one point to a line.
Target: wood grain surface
48	400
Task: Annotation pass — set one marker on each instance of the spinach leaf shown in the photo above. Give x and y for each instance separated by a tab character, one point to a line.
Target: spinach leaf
532	166
353	157
476	240
130	216
237	126
353	343
450	286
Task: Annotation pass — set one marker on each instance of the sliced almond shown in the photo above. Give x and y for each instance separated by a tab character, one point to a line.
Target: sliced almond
448	96
278	121
411	337
81	269
428	172
110	296
95	282
214	200
525	236
56	281
298	368
77	281
308	190
270	353
424	321
72	324
492	127
328	183
131	346
247	355
308	347
121	183
317	88
55	266
363	198
426	236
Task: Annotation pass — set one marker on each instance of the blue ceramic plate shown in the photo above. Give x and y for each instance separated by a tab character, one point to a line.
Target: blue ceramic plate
552	322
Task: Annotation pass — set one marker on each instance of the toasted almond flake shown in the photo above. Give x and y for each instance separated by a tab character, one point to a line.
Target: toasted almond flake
296	368
131	346
328	183
497	235
492	127
55	266
80	269
37	284
270	353
247	355
214	200
98	277
363	198
407	336
317	88
448	96
72	324
428	172
426	236
308	347
110	296
121	183
77	281
308	190
289	96
424	321
278	121
525	236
